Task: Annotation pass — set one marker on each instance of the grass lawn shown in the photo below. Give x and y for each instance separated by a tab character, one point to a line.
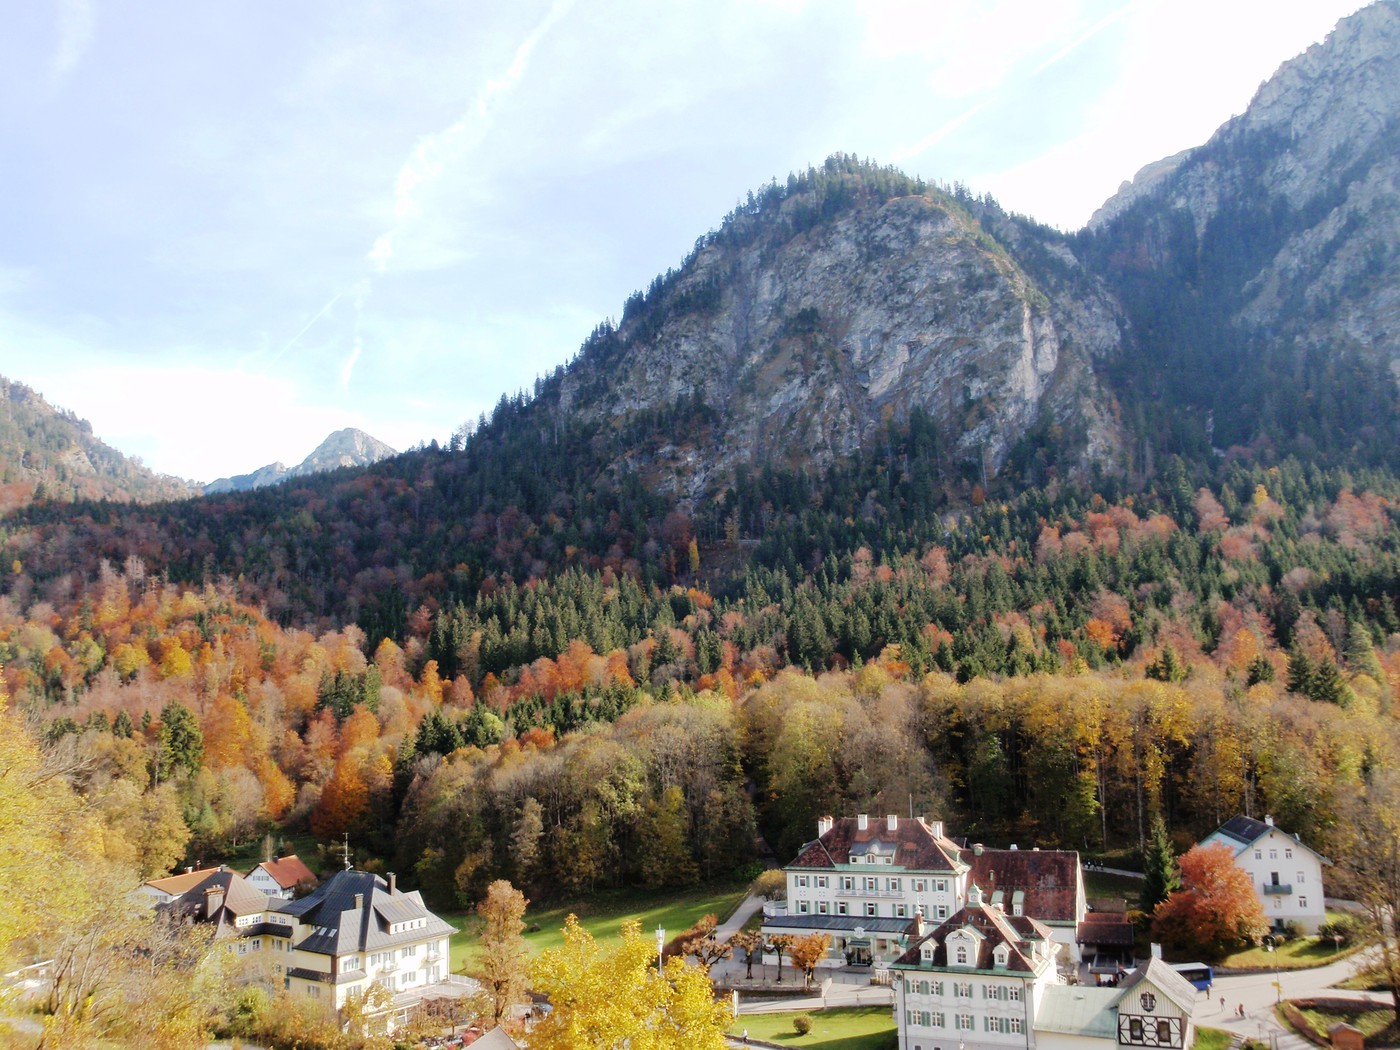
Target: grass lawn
856	1028
603	915
1102	884
1376	1022
1298	954
1211	1039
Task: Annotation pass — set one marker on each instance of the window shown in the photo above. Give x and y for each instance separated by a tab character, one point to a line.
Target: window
1288	853
1278	904
1164	1032
872	884
940	885
1300	878
848	883
936	1019
920	885
942	911
313	990
901	911
965	1022
1135	1029
937	987
802	880
1273	854
1258	854
801	907
1015	1026
1302	902
257	945
963	990
871	909
892	884
962	955
1015	993
821	907
840	907
822	882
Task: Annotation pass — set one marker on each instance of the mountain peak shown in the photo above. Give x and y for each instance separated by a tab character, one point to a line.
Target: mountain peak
344	448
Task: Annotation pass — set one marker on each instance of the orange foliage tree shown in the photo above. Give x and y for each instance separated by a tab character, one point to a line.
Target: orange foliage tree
1216	909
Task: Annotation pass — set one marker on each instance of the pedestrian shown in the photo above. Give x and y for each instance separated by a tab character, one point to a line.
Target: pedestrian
1239	1010
1222	1004
746	1037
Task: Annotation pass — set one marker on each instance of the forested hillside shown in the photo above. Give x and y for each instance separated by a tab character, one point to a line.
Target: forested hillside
50	454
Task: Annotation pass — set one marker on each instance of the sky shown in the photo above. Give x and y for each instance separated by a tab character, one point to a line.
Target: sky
231	227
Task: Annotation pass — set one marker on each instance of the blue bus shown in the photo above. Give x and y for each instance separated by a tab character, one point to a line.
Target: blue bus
1199	974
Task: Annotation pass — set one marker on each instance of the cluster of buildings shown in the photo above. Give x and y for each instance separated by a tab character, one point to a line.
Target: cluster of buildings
984	947
331	944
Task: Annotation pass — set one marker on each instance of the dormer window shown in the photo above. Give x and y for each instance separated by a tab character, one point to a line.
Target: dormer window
1001	955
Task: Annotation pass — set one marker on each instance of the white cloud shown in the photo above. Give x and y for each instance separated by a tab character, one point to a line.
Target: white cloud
435	154
77	25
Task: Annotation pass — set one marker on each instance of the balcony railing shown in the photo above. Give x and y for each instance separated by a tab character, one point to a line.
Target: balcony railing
1273	889
882	894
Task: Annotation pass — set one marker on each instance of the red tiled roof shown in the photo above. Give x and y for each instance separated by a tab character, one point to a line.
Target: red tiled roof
177	885
1113	931
287	871
1017	932
1048	878
914	845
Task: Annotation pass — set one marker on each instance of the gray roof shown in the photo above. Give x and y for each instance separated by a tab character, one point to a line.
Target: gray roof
342	925
1174	986
845	923
1077	1010
1239	833
496	1039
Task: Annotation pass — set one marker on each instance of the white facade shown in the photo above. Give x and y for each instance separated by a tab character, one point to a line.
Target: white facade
863	879
1286	874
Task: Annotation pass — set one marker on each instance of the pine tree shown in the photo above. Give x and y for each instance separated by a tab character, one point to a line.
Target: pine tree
1160	865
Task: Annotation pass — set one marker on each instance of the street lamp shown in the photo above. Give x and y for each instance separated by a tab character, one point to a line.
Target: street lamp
660	947
1269	944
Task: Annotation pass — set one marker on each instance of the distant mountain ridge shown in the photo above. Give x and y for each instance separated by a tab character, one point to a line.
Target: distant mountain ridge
49	452
344	448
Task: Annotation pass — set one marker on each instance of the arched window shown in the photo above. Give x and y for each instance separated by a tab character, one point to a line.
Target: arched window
962	955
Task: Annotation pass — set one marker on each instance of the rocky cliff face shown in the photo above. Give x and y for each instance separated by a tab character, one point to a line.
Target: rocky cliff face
344	448
1299	197
803	339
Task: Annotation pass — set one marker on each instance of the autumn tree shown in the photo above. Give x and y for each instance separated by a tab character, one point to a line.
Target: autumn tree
666	856
807	952
608	997
750	942
1216	909
503	968
704	945
1370	870
781	944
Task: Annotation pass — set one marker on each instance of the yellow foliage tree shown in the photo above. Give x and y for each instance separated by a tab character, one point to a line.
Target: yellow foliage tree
610	997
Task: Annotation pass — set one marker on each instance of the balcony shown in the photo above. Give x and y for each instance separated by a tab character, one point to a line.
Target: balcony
389	967
1274	889
432	956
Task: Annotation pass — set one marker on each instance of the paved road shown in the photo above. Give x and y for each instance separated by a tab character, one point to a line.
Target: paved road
1259	995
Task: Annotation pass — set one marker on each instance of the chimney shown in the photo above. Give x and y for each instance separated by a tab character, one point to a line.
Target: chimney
977	849
936	828
824	824
1012	846
189	868
359	901
1269	821
393	883
213	900
892	822
863	822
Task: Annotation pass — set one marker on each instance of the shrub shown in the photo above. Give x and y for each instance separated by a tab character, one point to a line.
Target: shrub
771	885
1347	927
802	1024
